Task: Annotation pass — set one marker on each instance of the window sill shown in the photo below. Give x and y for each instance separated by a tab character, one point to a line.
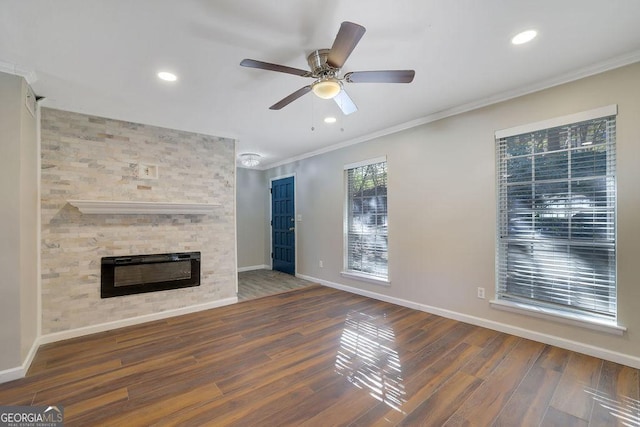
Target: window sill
366	278
560	316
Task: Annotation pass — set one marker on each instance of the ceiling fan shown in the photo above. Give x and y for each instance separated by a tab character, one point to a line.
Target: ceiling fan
325	67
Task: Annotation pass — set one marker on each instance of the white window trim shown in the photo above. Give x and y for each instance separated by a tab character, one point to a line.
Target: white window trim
366	278
546	312
597	113
365	163
352	274
562	316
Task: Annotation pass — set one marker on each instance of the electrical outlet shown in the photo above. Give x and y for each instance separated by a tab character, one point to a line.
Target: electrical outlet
481	293
321	264
147	171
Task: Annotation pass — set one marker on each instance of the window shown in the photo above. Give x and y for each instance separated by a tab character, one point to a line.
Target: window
366	219
556	236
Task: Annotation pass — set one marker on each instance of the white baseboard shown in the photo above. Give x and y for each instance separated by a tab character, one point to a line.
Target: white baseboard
12	374
602	353
101	327
32	353
20	371
254	267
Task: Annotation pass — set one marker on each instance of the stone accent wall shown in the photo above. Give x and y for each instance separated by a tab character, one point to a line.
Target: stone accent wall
93	158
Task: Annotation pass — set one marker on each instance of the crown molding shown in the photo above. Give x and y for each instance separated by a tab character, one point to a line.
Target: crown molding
598	68
29	75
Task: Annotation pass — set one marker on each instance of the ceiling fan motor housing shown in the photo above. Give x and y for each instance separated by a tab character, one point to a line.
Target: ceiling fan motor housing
317	61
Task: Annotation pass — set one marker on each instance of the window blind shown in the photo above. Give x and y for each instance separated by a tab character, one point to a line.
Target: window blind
556	230
366	237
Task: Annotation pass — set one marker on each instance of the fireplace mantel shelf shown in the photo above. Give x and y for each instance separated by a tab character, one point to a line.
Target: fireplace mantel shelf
111	207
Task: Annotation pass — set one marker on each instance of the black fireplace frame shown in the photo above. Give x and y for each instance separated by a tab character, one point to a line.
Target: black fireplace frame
109	264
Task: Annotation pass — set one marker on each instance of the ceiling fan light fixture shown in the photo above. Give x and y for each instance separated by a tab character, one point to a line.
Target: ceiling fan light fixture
250	160
327	88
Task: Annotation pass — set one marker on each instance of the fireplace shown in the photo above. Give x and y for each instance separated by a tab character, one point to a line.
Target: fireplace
125	275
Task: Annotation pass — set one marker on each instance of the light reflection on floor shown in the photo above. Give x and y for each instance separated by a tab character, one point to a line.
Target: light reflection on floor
368	358
626	409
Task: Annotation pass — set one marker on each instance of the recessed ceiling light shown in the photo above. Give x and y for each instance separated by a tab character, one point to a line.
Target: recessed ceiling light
524	37
329	119
169	77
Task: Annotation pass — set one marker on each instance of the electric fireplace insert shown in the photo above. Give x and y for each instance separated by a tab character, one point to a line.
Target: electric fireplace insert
125	275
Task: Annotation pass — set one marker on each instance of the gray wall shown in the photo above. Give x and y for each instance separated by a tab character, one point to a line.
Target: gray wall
251	193
18	224
442	207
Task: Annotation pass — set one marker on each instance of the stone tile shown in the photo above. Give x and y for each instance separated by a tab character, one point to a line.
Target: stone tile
94	158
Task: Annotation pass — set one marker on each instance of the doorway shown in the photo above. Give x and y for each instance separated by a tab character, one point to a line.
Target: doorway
283	225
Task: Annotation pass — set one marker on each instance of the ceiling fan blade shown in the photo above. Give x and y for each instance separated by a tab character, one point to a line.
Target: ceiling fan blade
289	99
348	37
345	103
252	63
388	76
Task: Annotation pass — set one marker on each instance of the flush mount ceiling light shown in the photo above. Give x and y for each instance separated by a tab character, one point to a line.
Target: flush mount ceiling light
327	88
166	76
524	37
250	160
329	120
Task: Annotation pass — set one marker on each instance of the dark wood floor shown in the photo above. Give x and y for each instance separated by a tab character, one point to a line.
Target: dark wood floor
322	357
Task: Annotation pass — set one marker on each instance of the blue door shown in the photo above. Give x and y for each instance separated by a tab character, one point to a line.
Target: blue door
283	240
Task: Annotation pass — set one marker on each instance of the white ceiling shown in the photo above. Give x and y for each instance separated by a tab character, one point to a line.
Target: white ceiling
101	57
